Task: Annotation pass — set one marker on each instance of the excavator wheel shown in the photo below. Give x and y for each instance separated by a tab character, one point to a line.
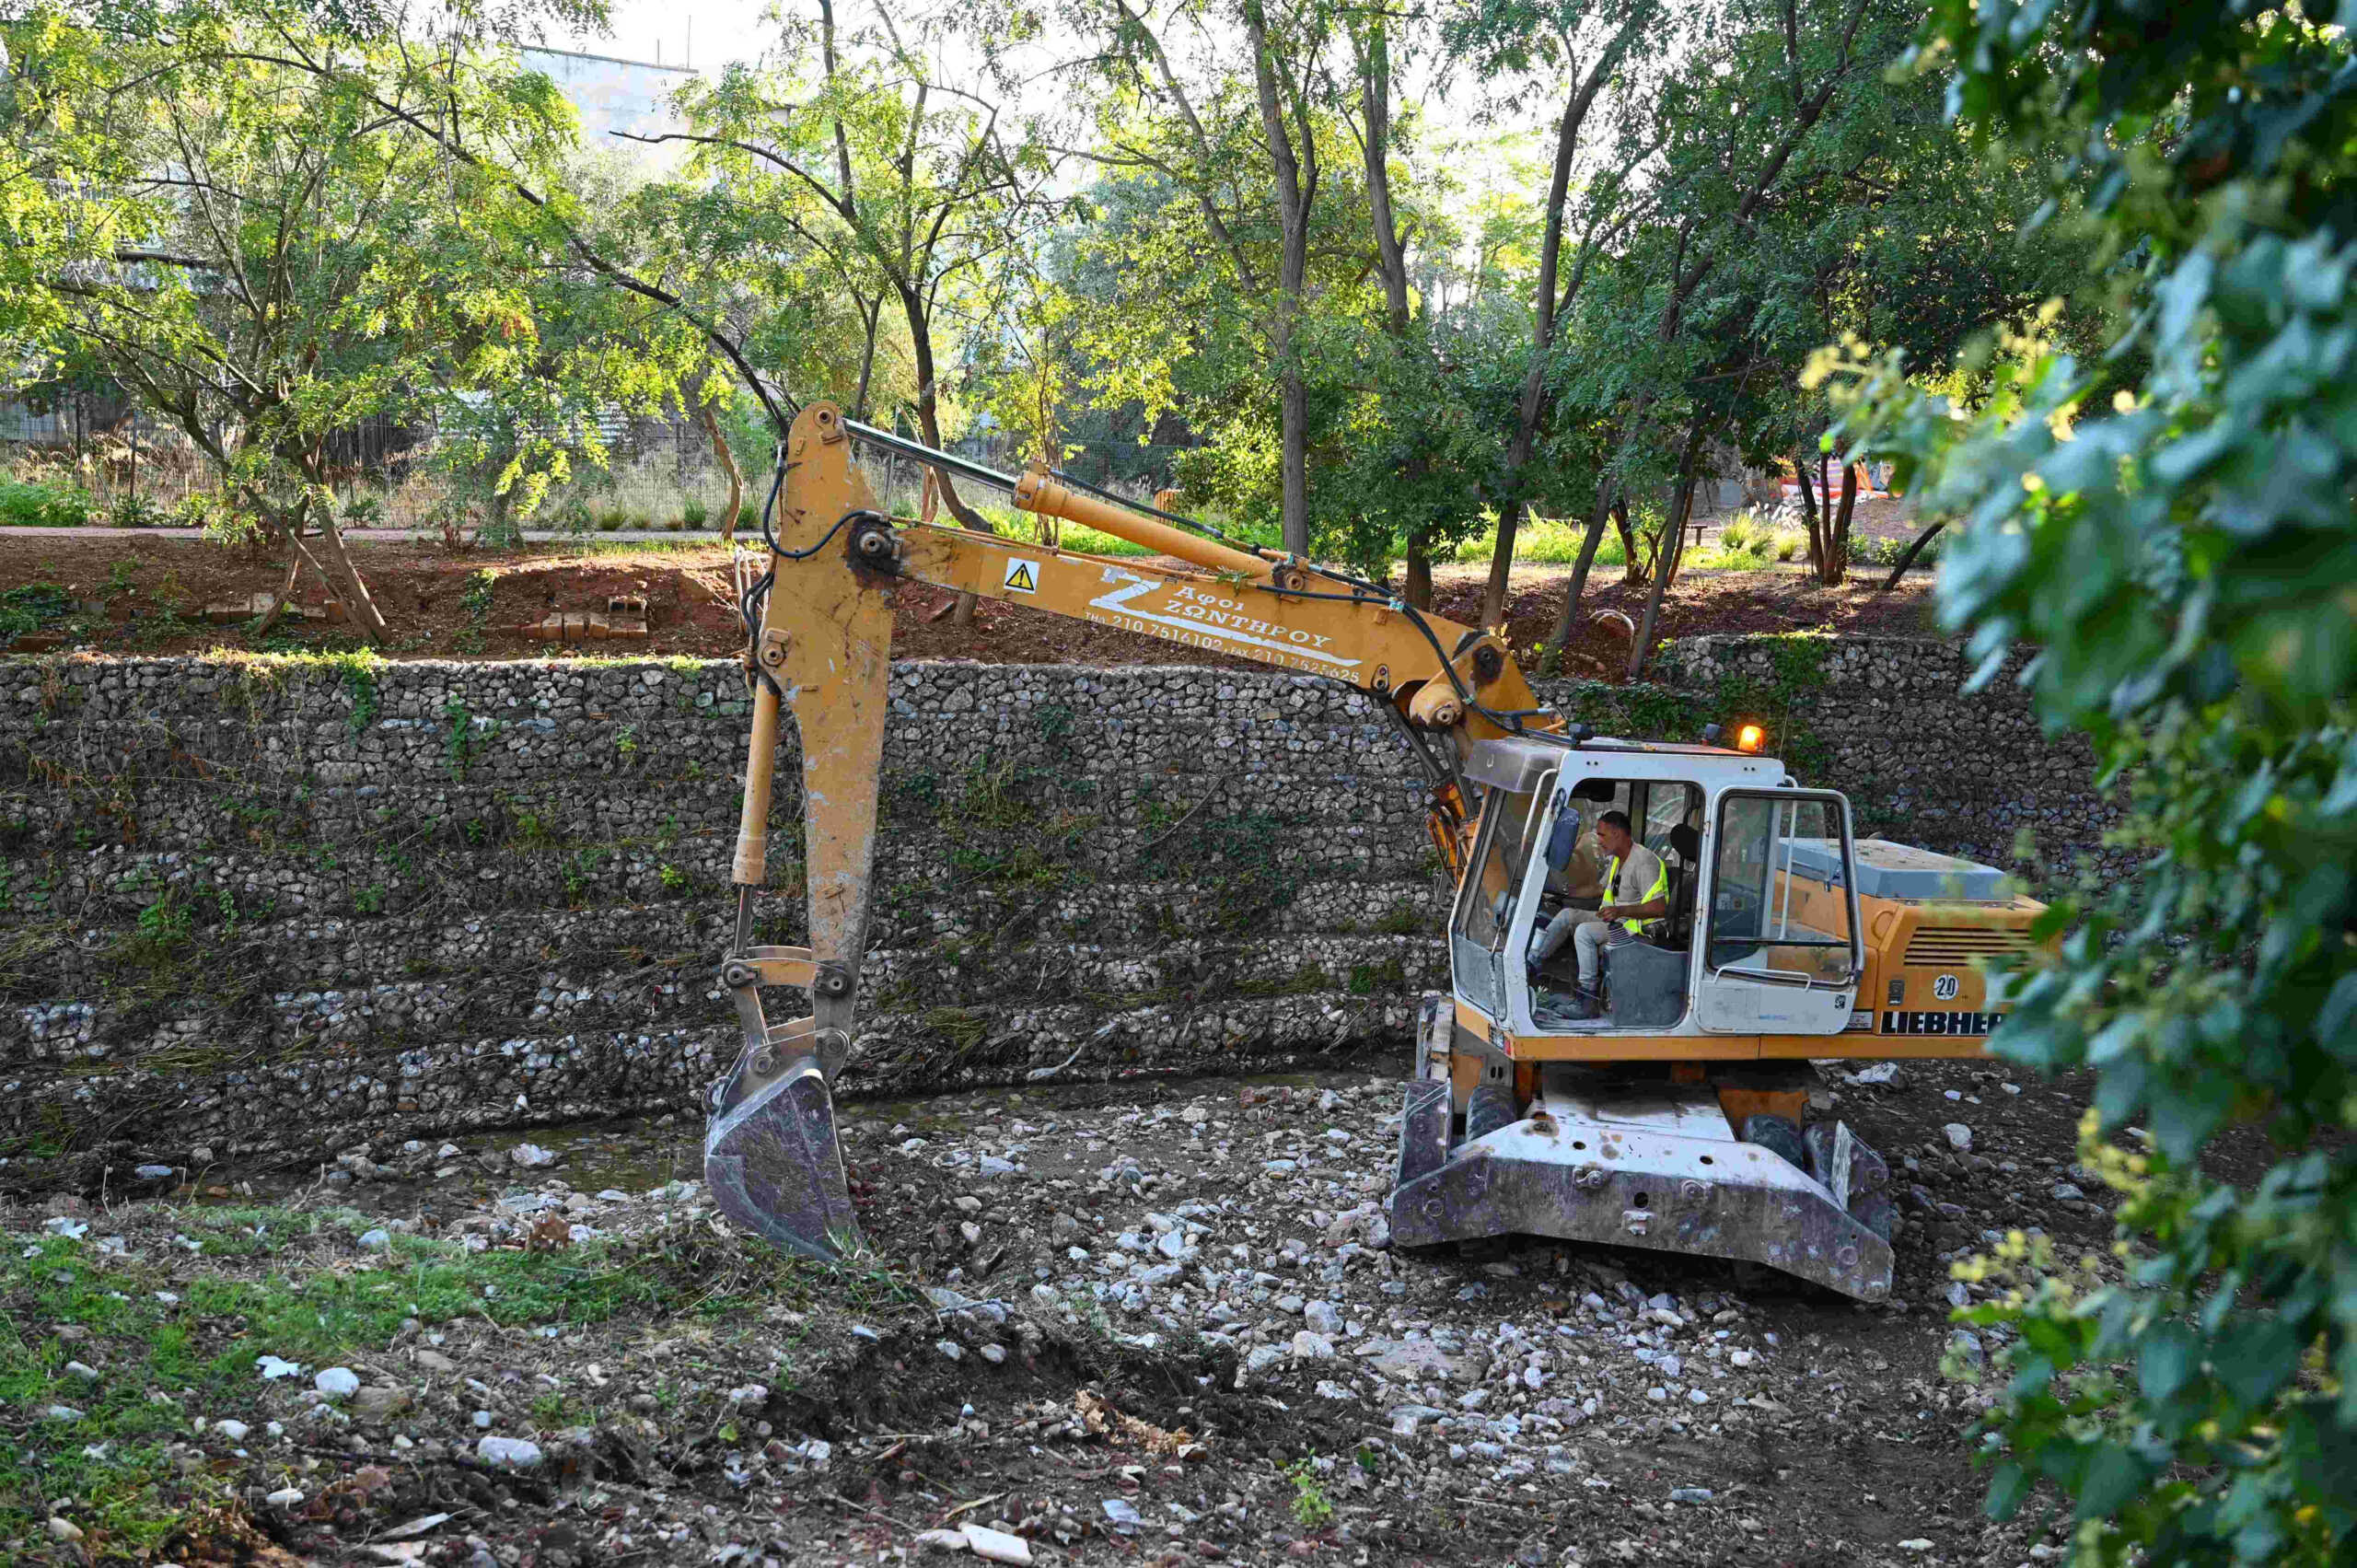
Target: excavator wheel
1778	1136
1493	1106
1490	1106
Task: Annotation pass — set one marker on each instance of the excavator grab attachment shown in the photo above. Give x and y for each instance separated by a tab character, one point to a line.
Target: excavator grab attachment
824	649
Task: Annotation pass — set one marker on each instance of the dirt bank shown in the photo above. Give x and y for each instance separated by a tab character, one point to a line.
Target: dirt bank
148	594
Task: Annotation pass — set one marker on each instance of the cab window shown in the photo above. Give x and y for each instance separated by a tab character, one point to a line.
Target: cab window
1778	906
1488	907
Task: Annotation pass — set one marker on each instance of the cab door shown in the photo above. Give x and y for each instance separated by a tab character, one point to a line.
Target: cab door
1779	937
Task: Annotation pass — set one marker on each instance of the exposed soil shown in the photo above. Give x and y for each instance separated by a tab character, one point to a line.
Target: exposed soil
1153	1321
147	595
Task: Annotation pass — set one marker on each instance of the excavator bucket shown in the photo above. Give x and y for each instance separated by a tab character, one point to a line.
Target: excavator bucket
823	649
774	1165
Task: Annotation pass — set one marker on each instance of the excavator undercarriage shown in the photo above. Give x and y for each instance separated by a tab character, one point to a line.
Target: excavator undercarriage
1666	1110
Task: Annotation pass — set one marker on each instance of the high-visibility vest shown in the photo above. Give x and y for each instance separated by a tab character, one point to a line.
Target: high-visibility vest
1612	890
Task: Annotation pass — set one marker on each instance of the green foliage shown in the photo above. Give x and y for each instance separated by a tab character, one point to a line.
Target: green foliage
30	607
475	599
2170	524
27	505
295	1293
359	670
1311	1507
459	748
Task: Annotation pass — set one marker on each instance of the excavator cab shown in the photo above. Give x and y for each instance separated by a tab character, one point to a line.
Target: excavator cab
1760	928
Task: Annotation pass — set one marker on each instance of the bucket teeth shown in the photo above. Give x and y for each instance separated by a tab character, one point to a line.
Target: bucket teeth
774	1166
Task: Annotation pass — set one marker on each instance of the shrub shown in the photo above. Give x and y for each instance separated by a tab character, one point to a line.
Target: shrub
28	506
2168	523
365	508
197	509
134	512
694	513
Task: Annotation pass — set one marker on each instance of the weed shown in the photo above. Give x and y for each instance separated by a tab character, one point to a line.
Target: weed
369	900
1311	1507
962	1025
673	877
201	1337
475	599
460	746
626	740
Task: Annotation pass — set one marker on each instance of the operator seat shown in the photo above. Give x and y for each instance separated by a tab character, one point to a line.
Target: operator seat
1647	977
1684	881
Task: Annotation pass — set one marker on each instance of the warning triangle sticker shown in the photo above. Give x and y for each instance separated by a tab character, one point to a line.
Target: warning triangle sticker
1023	576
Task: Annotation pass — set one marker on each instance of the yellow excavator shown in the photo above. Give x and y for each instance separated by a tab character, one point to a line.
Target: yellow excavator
1660	1101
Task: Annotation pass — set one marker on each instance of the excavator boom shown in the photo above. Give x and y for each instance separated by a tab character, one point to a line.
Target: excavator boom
821	647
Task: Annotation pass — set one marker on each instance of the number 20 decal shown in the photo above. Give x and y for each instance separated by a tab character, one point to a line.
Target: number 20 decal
1944	988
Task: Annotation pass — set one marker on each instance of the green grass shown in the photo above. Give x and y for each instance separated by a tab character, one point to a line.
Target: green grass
294	1289
1550	541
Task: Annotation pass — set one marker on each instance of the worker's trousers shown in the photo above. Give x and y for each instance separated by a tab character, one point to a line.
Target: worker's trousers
1589	937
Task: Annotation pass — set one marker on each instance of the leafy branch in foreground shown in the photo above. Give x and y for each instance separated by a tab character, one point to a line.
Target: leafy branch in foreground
2172	527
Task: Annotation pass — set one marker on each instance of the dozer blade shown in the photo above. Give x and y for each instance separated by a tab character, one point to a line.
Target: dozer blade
774	1166
1628	1164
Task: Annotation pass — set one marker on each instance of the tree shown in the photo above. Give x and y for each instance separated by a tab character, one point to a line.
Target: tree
2171	526
865	149
1245	156
256	230
1585	45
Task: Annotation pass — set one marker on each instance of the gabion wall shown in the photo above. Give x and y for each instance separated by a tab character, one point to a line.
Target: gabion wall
282	907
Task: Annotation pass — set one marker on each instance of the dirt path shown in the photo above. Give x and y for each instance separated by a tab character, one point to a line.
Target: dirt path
1144	1322
148	593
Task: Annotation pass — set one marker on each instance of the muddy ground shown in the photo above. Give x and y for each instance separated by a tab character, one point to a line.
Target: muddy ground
1154	1323
148	593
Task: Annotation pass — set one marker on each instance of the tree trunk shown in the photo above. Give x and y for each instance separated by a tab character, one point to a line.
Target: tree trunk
1375	104
711	422
272	616
928	411
1837	532
1809	519
359	606
1294	196
929	425
1419	590
1908	559
1532	406
1633	575
869	315
1606	493
358	603
1673	546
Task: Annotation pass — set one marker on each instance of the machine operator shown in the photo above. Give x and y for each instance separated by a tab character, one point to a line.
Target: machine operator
1636	886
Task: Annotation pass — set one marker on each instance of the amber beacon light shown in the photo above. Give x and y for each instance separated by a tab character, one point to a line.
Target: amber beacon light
1749	737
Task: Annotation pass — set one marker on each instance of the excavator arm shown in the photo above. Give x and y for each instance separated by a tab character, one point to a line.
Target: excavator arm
821	646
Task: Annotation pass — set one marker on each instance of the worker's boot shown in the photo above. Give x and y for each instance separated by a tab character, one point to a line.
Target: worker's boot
1586	1002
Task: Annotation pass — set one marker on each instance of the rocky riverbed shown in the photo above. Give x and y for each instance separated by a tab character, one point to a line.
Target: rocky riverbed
1153	1321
